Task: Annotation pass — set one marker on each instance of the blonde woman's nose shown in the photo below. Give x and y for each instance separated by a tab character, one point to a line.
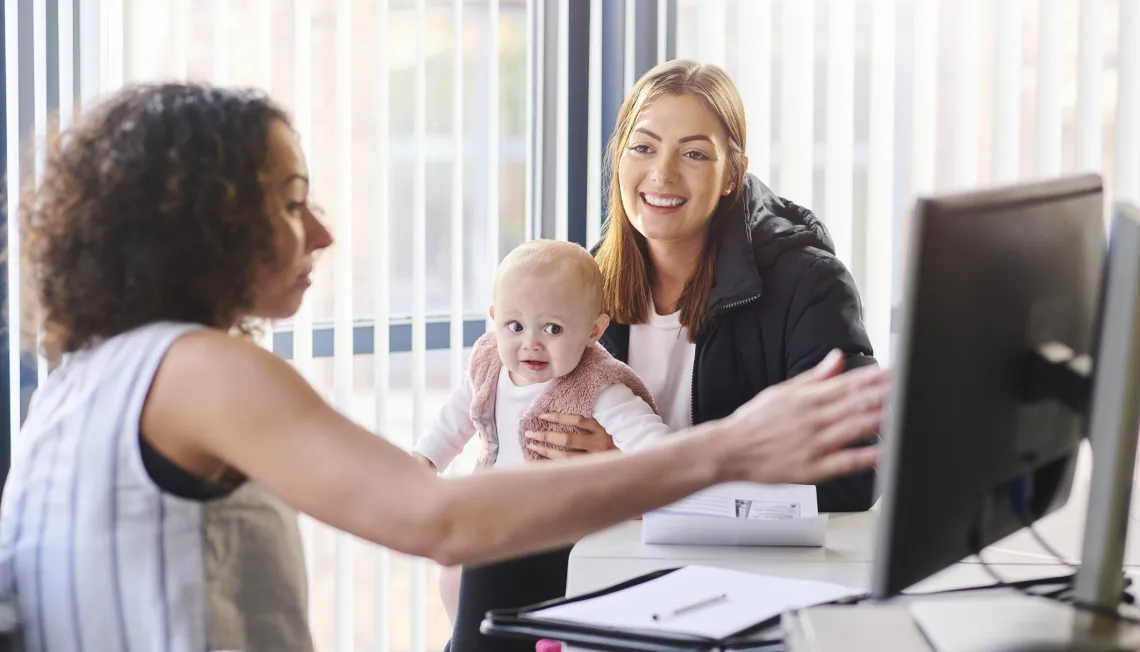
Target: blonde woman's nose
664	170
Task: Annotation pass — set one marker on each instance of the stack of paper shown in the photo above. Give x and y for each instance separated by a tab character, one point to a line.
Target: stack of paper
740	514
696	600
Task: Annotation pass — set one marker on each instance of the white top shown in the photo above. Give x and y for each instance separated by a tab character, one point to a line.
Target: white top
97	557
661	353
628	419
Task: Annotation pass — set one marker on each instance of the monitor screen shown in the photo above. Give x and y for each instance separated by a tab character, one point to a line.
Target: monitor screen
968	457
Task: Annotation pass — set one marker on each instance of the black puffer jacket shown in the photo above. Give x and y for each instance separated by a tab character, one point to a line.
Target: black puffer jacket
780	301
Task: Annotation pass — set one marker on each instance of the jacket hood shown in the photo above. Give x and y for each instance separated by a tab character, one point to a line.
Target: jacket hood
753	233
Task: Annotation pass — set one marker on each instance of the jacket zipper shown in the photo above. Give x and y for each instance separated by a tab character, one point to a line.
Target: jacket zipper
734	304
697	355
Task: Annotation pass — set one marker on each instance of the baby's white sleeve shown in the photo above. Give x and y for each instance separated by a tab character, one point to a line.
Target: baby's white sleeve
451	430
628	419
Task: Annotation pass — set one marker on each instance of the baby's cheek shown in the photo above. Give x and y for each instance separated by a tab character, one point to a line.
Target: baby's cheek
568	359
507	355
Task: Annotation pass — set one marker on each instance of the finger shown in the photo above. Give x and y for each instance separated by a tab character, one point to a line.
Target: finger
592	426
862	399
551	437
541	451
588	442
554	453
574	420
829	390
831	365
849	430
844	462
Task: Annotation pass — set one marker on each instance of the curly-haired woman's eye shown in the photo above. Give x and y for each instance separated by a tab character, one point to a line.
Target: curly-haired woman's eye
294	207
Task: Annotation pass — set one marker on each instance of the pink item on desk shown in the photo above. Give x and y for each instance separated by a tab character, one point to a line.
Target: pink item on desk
547	645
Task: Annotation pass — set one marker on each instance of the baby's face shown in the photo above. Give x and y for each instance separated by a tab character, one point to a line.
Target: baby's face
543	325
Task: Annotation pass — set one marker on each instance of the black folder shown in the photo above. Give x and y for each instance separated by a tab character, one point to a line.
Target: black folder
519	623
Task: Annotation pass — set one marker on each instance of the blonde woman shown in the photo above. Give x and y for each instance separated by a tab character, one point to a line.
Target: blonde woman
717	289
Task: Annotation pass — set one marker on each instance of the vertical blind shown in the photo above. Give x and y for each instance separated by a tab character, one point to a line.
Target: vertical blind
417	117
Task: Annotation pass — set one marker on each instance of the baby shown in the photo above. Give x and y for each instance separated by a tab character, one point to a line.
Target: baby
542	358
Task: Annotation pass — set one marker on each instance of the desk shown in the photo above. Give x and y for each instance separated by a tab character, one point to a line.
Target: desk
617	554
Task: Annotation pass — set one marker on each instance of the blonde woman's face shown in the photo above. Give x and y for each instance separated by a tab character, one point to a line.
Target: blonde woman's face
673	169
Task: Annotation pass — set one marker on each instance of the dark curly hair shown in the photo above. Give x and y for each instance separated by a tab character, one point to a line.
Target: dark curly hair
150	208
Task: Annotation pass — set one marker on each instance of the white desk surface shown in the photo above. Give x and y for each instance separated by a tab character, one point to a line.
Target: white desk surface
617	554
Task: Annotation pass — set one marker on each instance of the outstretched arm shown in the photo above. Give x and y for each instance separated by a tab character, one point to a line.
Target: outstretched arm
220	399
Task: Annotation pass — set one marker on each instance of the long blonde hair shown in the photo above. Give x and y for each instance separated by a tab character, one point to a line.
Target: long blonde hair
622	255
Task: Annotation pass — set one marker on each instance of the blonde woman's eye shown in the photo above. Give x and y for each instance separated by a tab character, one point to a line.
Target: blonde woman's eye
700	156
514	327
640	149
553	329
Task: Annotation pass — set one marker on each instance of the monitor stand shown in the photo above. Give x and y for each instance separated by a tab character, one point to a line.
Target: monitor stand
1018	623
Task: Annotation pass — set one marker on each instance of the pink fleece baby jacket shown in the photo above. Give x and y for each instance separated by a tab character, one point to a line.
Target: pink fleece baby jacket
574	393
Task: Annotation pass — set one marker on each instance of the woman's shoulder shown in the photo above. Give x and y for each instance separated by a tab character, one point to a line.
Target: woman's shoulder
195	347
155	332
192	358
209	348
777	230
125	355
786	246
805	272
777	260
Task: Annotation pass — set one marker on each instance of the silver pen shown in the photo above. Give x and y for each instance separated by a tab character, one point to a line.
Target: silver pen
691	607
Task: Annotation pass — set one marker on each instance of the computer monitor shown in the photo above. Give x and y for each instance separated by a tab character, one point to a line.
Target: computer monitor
1002	292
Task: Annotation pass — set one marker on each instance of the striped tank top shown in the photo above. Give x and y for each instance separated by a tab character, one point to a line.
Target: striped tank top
96	557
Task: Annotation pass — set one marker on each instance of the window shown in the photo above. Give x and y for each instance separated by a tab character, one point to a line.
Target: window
255	43
855	106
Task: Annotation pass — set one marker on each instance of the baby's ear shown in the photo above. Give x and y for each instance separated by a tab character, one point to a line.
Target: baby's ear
491	312
600	326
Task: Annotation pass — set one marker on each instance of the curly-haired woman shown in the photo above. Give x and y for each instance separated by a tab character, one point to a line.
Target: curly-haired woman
151	499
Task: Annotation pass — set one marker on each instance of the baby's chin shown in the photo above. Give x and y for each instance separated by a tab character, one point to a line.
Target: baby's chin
529	374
